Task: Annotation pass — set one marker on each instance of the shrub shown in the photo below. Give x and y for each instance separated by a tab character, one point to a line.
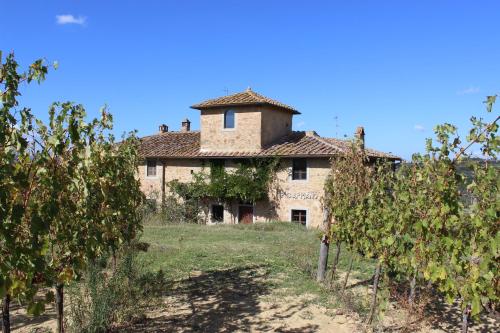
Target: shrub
105	298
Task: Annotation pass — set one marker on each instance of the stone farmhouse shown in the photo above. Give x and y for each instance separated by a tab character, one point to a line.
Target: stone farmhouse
243	126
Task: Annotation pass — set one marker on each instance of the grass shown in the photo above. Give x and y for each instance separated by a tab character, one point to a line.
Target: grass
288	253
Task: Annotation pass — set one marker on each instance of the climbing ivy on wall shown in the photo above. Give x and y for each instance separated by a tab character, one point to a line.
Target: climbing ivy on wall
250	181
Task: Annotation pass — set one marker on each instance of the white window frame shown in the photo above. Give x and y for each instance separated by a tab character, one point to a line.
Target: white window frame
146	169
300	208
307	171
224	120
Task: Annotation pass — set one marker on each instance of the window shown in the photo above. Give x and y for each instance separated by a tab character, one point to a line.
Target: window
229	119
299	169
299	216
151	168
217	213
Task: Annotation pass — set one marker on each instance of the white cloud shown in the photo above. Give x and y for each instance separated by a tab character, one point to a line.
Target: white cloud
419	128
468	91
300	124
70	19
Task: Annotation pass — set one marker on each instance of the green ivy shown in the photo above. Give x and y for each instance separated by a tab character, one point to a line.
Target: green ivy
249	182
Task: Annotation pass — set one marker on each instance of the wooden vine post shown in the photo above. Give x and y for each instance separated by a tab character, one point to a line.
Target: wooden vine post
5	314
373	306
338	247
60	307
324	247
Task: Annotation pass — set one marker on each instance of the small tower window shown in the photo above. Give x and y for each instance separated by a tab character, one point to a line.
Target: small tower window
229	119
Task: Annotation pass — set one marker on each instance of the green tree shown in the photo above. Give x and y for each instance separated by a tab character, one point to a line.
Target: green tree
68	193
416	223
21	241
346	188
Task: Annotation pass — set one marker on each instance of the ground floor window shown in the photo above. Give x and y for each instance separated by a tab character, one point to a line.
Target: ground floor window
299	216
217	213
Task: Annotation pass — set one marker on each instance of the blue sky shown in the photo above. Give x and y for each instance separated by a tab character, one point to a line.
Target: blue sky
396	67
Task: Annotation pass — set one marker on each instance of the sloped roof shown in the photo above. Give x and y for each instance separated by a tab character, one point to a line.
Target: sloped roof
248	97
296	144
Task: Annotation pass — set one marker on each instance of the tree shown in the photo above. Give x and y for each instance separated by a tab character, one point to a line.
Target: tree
21	241
345	189
89	192
68	193
417	223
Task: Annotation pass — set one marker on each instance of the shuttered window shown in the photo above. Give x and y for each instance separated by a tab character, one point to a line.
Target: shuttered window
229	119
299	169
151	168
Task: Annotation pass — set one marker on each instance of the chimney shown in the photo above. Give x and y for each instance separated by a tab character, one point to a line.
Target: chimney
163	128
185	125
360	136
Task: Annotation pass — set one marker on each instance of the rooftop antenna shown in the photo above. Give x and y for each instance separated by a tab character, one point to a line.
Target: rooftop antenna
226	91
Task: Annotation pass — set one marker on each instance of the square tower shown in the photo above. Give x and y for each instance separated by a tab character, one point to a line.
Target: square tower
242	122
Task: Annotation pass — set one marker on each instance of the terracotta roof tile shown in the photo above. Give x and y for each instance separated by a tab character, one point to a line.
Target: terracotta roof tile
248	97
296	144
170	144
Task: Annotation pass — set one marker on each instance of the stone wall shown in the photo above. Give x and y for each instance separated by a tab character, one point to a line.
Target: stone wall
275	124
182	169
151	186
255	127
303	194
286	194
245	136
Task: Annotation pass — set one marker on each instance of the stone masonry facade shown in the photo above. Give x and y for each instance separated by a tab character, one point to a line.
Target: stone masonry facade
286	196
241	126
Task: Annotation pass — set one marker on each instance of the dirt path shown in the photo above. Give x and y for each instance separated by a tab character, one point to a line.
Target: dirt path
245	300
237	300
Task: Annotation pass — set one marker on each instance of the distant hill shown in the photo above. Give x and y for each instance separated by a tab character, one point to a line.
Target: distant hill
464	166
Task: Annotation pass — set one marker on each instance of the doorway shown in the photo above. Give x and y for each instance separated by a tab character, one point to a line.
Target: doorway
245	214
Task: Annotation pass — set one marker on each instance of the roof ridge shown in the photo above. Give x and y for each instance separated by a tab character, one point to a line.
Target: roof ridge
366	148
171	132
321	139
247	97
256	95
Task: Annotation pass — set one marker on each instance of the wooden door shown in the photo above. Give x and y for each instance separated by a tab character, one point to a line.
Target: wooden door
245	215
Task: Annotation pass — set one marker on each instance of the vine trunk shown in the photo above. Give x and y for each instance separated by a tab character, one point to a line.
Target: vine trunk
374	295
5	314
335	263
60	307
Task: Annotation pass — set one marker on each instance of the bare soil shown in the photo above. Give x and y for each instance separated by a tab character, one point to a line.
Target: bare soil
243	300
